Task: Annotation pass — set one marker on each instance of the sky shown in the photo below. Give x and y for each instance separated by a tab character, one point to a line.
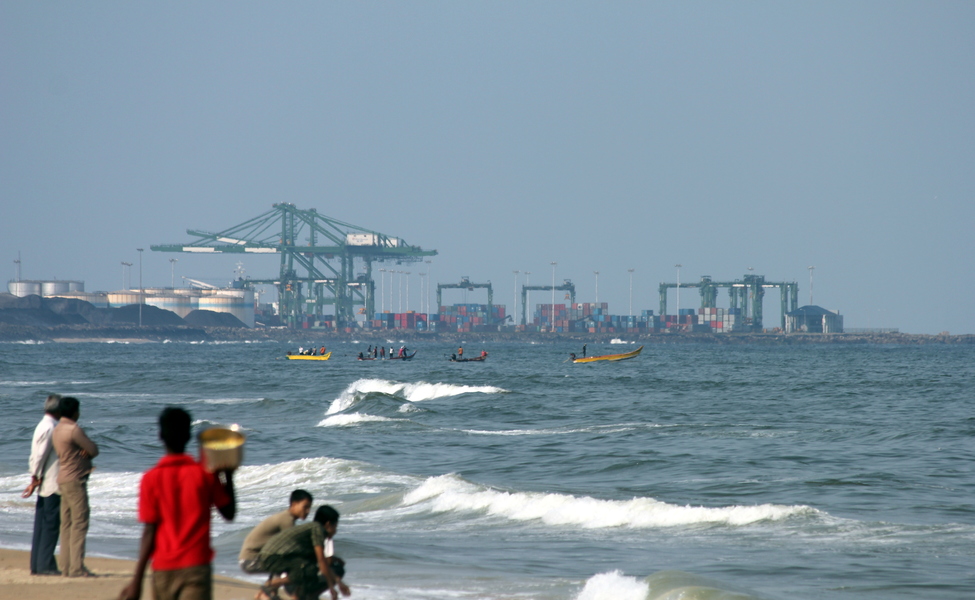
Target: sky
721	136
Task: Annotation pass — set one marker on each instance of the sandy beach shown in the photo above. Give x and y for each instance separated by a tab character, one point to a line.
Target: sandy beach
16	582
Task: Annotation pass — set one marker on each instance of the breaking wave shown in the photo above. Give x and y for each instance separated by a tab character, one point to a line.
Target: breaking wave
411	392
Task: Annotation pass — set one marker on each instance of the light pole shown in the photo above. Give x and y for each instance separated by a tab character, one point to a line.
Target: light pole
630	271
422	288
528	295
141	292
811	269
514	303
407	273
172	275
596	273
399	304
17	262
125	286
678	292
552	316
382	290
429	275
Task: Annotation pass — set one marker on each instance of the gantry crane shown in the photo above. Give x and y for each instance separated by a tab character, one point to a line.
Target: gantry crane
465	283
567	286
325	249
751	288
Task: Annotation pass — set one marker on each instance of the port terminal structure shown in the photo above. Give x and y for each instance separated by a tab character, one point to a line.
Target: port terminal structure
327	260
465	284
567	286
750	290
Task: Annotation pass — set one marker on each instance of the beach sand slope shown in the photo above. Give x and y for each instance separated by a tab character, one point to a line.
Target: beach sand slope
16	582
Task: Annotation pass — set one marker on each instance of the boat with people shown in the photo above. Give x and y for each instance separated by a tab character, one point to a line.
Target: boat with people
402	357
606	357
325	356
481	358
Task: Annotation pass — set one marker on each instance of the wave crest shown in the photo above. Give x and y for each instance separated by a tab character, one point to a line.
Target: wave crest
411	392
448	493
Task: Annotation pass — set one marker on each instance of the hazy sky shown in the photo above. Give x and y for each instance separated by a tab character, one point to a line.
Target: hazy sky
506	135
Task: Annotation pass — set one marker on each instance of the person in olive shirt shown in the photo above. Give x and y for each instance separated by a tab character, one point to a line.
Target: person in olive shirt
75	452
250	551
307	555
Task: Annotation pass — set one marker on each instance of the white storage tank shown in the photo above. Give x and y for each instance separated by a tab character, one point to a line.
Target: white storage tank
54	288
76	286
123	298
24	288
180	304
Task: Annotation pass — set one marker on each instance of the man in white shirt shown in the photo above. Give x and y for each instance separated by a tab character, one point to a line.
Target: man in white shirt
44	475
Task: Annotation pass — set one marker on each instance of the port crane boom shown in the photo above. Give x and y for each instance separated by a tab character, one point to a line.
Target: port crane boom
318	254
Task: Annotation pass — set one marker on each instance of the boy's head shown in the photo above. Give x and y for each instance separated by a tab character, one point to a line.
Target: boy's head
174	428
70	407
300	504
328	517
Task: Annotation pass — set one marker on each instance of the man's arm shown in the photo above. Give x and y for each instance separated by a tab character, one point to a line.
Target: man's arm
229	510
134	590
79	437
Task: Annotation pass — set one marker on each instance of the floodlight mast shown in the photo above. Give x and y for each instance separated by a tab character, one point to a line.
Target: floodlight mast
328	260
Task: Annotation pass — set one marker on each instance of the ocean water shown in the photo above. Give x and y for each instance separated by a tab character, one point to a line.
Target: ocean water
696	472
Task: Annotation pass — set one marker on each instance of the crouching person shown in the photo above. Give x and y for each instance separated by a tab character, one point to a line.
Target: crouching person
306	554
174	504
250	552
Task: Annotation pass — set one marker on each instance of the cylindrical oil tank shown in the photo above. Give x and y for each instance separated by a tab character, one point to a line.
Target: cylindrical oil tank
179	304
123	298
76	286
239	303
53	288
24	288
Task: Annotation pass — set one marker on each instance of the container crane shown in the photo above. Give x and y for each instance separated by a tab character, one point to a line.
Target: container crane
567	286
315	272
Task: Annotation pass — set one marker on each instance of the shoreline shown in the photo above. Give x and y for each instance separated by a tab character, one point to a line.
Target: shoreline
114	574
73	334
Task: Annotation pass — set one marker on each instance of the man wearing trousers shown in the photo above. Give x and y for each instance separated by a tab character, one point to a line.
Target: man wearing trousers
75	452
43	466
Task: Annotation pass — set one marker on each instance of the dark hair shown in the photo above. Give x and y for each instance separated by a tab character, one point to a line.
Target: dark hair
69	406
326	514
300	496
174	428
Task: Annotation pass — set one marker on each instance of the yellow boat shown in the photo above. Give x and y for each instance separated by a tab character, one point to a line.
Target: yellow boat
325	356
610	357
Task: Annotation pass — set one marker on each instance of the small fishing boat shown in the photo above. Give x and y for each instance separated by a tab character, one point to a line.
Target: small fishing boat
609	357
480	358
325	356
404	357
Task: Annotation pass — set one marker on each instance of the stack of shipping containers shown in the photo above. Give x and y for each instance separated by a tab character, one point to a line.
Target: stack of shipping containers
589	317
408	320
720	320
464	318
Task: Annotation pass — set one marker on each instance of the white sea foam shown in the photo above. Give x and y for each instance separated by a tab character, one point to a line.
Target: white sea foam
603	429
346	420
448	493
412	392
613	586
229	400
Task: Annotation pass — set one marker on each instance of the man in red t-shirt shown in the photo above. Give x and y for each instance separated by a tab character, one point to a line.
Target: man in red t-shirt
174	504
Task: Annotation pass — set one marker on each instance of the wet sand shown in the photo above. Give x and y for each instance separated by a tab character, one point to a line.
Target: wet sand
16	582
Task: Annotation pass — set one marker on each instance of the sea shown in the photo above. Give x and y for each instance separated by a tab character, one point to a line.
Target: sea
693	471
